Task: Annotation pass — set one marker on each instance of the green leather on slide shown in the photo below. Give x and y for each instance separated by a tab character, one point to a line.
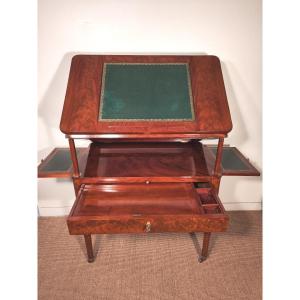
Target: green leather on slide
231	161
146	92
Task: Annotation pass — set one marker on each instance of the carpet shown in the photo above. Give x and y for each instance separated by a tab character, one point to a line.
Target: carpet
152	266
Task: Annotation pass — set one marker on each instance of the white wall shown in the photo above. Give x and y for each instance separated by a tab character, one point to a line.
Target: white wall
230	29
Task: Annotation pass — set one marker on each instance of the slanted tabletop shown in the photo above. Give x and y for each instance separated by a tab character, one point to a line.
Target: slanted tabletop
146	95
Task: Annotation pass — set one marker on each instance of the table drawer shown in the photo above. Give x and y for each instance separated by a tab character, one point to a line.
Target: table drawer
145	208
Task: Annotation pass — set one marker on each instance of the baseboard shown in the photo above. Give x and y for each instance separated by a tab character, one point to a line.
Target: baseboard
54	211
243	206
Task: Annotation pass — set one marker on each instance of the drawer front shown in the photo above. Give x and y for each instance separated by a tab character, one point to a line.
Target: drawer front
146	208
149	224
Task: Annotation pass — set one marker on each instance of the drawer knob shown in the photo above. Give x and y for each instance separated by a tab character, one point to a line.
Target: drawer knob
148	226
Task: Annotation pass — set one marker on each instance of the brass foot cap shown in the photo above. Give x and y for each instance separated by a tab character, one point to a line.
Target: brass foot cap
201	259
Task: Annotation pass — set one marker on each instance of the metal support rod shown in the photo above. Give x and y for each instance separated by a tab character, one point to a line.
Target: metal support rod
217	169
74	158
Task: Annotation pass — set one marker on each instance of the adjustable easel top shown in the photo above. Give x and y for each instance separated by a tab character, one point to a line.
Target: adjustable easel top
145	96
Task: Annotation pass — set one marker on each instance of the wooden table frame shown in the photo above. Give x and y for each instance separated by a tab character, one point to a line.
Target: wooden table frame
214	180
211	120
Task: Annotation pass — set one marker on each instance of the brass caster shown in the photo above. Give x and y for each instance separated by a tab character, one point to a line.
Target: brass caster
201	259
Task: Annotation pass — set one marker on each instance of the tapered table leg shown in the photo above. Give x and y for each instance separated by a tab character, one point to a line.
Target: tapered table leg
205	246
89	247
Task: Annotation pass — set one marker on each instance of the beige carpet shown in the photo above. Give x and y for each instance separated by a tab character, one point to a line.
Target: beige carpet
152	266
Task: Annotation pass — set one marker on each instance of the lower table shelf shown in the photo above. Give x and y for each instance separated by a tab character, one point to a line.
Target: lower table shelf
158	161
138	208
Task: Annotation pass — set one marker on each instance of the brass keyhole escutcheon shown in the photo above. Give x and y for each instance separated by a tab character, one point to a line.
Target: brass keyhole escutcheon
148	226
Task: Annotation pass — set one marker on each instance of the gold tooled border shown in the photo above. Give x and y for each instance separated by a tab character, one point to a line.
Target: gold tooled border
147	120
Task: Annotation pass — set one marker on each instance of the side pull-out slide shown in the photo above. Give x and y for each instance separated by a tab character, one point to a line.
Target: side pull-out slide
58	163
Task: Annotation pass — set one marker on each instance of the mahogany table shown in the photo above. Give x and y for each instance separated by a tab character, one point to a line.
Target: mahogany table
146	169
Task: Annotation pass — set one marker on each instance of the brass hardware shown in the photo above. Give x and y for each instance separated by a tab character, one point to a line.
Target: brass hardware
148	226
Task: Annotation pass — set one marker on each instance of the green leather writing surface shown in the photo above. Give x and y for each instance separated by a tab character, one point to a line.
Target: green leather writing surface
150	92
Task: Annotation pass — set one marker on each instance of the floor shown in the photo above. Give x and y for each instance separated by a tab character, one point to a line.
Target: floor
152	266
